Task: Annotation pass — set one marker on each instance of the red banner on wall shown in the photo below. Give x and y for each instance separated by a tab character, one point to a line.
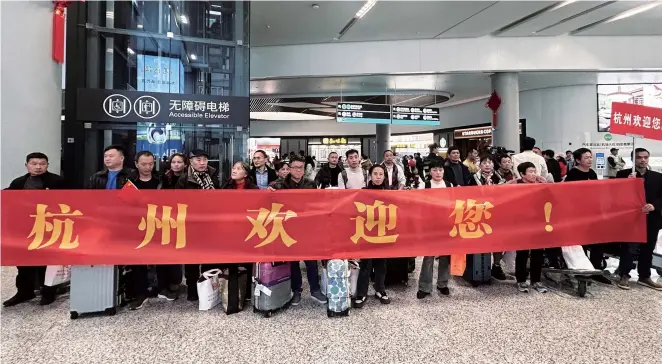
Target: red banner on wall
197	226
632	119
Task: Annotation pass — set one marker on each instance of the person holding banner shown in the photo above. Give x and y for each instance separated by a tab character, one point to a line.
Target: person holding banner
443	269
296	180
37	178
377	182
198	176
653	207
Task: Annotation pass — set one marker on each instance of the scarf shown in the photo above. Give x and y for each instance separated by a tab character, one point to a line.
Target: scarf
387	180
487	177
204	180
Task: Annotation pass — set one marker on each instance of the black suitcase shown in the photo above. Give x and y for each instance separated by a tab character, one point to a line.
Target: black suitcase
479	269
397	271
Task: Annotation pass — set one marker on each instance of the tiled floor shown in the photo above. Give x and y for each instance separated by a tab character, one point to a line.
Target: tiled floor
489	324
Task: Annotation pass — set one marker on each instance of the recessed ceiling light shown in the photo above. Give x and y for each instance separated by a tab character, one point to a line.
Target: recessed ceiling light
183	19
140	26
128	49
316	6
194	57
268	26
170	34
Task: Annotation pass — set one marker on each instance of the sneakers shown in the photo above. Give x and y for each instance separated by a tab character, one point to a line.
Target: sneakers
168	295
539	287
18	299
624	283
383	297
523	287
601	279
650	283
359	302
318	296
296	299
421	294
444	291
137	303
497	273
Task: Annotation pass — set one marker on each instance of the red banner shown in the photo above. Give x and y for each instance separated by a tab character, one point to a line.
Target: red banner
636	120
208	226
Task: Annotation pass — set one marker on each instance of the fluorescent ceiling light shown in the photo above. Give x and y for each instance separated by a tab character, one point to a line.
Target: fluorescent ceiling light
128	49
285	116
298	105
110	15
635	11
213	12
170	34
365	9
194	57
140	26
559	6
183	19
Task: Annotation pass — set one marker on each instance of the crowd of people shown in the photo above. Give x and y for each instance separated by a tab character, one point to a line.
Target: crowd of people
480	168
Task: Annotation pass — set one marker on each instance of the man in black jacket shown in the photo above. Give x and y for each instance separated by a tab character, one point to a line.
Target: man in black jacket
261	174
553	165
296	181
653	207
455	171
114	176
328	174
37	178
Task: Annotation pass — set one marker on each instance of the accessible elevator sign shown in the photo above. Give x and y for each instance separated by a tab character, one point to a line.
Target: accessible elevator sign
135	107
347	112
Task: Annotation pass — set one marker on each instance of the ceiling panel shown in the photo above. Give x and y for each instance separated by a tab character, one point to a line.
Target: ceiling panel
646	23
494	17
389	20
592	17
297	22
550	17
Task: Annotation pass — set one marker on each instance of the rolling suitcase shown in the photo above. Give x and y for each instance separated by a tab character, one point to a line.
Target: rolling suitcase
272	289
338	288
479	269
94	288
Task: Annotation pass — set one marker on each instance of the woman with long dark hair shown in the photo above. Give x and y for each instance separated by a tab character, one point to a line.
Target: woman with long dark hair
377	182
177	165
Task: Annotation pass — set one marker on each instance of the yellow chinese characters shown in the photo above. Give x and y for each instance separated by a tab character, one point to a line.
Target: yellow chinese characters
384	217
469	218
60	229
150	224
274	218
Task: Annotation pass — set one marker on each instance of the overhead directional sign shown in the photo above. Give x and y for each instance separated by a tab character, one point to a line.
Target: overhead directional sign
408	115
347	112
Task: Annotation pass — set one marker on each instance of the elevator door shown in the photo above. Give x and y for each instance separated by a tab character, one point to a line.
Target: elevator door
224	144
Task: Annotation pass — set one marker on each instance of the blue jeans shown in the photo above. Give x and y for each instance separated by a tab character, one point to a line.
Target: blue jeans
313	276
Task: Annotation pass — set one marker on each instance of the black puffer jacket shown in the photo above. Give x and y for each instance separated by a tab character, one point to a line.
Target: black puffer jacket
231	185
99	179
288	184
50	181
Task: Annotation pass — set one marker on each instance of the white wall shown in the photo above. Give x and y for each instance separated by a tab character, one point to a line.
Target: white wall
31	87
486	54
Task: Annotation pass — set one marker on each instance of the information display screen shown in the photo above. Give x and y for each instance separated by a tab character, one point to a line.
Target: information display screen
363	113
407	115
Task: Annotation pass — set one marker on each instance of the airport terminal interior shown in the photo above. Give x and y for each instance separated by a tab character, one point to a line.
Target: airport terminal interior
233	78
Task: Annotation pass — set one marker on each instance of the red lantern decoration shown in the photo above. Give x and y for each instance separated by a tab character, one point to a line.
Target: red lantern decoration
493	104
58	30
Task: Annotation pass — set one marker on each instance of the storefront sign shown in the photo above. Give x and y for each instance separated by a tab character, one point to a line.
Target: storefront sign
130	226
408	115
334	141
135	107
636	120
478	132
607	145
363	113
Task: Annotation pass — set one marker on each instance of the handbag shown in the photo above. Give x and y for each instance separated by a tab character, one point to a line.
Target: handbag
233	283
208	290
57	274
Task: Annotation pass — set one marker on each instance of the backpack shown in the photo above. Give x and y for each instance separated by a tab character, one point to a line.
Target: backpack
343	173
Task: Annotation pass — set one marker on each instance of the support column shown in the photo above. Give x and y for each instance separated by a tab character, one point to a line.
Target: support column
31	88
507	130
383	140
